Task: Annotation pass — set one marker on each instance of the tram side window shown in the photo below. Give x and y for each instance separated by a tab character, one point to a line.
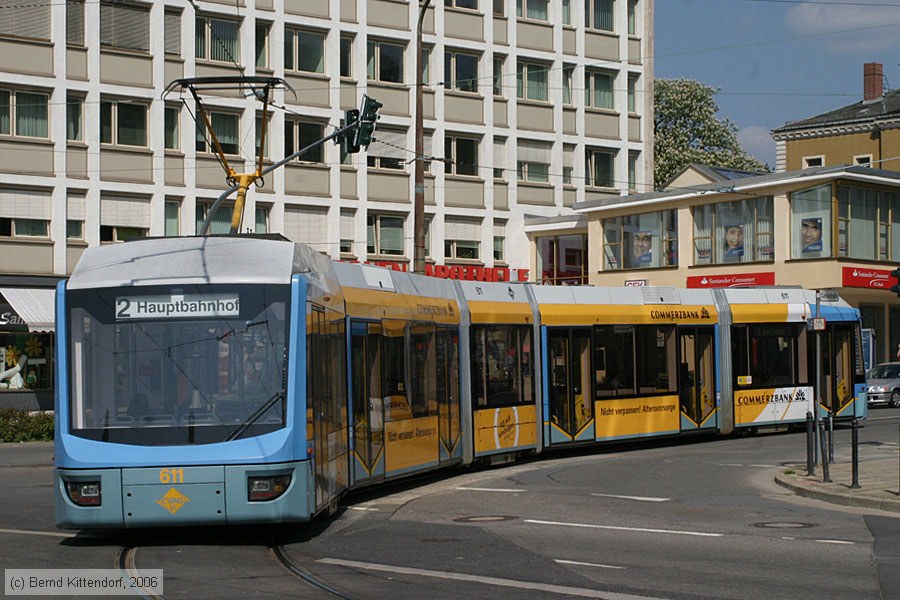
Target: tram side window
393	371
614	360
423	399
767	353
656	352
502	366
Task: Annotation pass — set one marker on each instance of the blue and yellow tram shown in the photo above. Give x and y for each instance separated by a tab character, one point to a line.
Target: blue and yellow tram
225	380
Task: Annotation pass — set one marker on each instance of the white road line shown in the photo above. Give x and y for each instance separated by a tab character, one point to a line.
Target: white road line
478	489
836	542
56	534
766	466
619	528
638	498
584	564
730	465
511	583
363	508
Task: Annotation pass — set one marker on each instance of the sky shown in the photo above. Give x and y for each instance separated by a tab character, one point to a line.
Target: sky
776	61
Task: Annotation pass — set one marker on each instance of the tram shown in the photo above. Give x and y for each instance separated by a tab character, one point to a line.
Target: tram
249	379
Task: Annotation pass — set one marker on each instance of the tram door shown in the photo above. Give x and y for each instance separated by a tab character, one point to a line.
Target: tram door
696	377
367	401
571	400
838	364
447	373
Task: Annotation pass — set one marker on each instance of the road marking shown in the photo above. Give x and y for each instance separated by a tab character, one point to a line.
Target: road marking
836	542
619	528
638	498
511	583
41	533
478	489
766	466
363	508
730	465
584	564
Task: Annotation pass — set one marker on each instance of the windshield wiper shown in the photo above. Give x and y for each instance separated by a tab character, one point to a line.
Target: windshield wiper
243	427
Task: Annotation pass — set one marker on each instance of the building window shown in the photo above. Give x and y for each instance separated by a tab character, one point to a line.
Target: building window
499	241
172	41
118	233
26	19
467	4
74	22
261	219
74	118
124	26
24	227
346	56
384	62
641	241
388	149
221	220
567	12
863	160
632	17
173	211
868	224
734	232
384	235
217	39
568	75
532	9
304	51
562	260
498	248
24	114
632	93
123	123
462	154
499	8
461	71
348	220
813	161
74	229
499	60
258	128
533	161
811	221
632	170
262	44
600	168
225	125
462	239
598	89
531	81
300	134
172	128
599	14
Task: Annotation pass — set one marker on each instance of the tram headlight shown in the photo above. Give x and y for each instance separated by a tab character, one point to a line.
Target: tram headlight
84	493
260	489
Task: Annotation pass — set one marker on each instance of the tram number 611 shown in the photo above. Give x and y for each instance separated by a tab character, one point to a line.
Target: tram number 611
171	475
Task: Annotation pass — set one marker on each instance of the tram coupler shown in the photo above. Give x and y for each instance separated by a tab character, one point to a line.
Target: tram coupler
810	445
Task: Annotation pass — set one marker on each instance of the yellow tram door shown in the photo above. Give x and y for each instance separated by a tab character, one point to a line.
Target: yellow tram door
368	402
571	400
696	377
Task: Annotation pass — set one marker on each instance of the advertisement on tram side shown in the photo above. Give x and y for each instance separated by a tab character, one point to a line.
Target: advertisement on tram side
505	428
771	406
637	417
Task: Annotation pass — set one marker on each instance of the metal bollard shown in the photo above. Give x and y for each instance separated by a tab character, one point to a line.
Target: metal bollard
825	477
855	448
830	437
810	445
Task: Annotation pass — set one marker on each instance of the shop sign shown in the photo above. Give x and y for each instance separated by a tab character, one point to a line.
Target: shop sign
10	319
636	283
867	278
464	272
741	280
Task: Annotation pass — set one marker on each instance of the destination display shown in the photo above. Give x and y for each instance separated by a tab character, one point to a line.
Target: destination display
172	306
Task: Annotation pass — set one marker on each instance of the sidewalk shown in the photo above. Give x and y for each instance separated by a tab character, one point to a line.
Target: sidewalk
879	481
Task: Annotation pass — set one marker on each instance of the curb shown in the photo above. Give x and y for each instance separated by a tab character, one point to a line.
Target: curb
809	488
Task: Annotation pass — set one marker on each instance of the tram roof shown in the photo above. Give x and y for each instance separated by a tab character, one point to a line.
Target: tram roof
199	260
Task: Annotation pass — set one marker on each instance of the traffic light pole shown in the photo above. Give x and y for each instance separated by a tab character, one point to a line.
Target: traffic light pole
419	198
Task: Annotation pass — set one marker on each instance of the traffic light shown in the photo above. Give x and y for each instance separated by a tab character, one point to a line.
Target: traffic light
368	116
896	287
348	138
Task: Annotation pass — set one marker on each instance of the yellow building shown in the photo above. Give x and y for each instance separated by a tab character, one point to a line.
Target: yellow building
817	228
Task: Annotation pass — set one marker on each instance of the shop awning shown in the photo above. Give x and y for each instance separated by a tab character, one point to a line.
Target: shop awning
34	306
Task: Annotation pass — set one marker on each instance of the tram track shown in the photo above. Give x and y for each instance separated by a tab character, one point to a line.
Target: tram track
282	558
126	563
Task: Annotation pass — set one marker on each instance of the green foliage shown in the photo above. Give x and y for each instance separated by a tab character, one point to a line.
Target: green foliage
688	131
22	426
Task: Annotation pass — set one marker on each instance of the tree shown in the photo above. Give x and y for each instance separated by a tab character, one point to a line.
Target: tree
687	131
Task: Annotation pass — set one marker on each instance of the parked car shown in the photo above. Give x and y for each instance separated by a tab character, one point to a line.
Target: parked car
883	384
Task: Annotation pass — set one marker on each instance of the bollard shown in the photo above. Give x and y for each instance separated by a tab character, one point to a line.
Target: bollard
825	477
830	437
855	448
810	445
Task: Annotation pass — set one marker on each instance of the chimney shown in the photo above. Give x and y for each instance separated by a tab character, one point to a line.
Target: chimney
873	78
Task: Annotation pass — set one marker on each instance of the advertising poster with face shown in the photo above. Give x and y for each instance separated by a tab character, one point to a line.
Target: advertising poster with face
811	234
642	249
734	240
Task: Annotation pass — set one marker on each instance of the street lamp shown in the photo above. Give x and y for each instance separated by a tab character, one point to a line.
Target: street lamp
419	200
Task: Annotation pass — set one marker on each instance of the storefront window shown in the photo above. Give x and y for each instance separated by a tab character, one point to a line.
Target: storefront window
868	224
811	223
25	361
562	260
641	241
734	232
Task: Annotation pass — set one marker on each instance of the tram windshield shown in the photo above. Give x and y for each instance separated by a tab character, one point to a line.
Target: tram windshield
184	365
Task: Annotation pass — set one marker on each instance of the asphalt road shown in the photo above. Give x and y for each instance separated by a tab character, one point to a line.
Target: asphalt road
690	521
